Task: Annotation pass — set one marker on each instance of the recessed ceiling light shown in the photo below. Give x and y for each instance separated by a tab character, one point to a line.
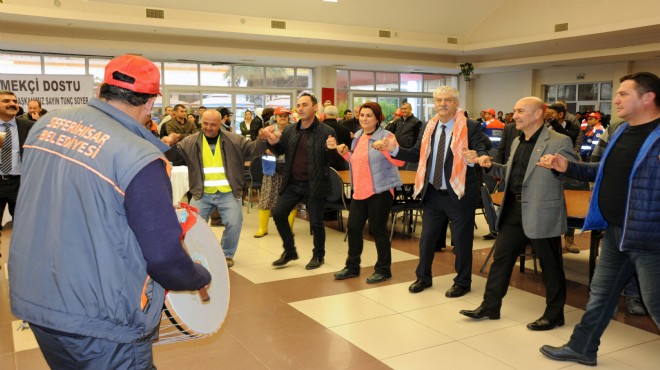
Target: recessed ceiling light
330	1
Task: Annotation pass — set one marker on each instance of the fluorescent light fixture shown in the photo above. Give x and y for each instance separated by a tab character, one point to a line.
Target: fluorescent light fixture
330	1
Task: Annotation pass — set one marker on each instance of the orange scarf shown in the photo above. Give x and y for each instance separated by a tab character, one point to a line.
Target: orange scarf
459	142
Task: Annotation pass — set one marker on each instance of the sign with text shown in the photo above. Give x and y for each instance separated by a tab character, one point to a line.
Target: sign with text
53	91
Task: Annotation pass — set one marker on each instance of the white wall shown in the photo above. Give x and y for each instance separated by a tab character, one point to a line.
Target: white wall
499	91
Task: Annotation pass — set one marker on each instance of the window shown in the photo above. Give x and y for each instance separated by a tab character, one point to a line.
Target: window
391	89
180	74
64	65
20	64
362	80
411	82
97	69
387	81
582	97
304	77
280	77
248	76
214	75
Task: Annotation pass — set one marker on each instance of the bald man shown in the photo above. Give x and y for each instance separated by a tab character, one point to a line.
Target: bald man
219	182
533	212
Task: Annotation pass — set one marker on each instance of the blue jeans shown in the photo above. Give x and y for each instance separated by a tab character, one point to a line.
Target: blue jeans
613	271
231	213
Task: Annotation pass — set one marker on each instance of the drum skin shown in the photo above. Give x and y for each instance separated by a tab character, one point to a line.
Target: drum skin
185	315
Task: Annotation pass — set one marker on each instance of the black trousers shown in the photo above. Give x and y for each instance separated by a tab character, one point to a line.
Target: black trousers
8	193
438	208
294	193
376	209
510	243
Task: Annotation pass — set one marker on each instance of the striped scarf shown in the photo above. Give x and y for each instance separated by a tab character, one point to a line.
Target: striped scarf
459	142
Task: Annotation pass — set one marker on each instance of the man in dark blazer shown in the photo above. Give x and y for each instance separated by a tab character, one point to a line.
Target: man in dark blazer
439	199
504	149
533	211
10	166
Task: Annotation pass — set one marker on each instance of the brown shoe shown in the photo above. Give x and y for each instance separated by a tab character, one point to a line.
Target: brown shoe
230	262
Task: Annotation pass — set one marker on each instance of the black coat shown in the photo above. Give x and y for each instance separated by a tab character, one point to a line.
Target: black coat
317	152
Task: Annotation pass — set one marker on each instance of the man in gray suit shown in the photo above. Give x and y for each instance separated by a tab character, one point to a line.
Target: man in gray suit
533	212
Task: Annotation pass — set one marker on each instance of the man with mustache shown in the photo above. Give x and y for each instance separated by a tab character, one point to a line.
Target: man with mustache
10	166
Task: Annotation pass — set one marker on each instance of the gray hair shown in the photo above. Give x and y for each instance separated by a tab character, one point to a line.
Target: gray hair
331	111
447	89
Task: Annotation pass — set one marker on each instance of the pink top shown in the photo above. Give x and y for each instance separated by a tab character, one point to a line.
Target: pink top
363	186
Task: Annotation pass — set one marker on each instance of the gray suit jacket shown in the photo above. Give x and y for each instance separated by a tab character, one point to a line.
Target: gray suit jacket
543	203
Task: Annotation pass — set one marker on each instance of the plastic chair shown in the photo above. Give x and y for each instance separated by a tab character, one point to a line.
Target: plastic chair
336	201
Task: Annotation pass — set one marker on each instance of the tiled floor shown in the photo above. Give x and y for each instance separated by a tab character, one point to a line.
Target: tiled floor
292	318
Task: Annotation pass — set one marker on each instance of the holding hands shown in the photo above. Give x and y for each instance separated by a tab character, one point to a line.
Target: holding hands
469	155
555	162
331	143
389	143
270	134
483	161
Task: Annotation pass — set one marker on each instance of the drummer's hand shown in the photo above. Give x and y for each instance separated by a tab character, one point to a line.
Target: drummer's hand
342	149
171	139
555	162
483	161
331	142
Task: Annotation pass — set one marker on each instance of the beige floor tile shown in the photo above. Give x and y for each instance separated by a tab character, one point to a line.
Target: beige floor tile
392	335
643	356
397	297
341	309
31	360
454	355
23	338
516	346
604	363
446	319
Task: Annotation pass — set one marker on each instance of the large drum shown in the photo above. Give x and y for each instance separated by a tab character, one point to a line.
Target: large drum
186	315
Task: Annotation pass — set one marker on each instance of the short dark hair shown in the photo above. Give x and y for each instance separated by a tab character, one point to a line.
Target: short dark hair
375	107
7	92
38	102
347	111
111	92
307	93
558	107
176	107
647	82
201	106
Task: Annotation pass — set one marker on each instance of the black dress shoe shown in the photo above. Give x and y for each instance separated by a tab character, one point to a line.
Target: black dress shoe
565	353
378	277
345	274
418	286
285	258
545	324
315	263
457	291
481	312
490	236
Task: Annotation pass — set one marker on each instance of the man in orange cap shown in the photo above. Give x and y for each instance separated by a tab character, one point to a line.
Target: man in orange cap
492	126
592	135
91	278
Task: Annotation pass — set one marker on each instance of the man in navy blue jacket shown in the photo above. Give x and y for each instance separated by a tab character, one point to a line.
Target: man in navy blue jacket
626	204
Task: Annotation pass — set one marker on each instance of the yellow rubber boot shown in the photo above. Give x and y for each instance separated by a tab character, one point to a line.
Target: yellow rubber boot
292	217
264	215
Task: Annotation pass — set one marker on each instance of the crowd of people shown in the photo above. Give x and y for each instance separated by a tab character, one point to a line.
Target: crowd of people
107	300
